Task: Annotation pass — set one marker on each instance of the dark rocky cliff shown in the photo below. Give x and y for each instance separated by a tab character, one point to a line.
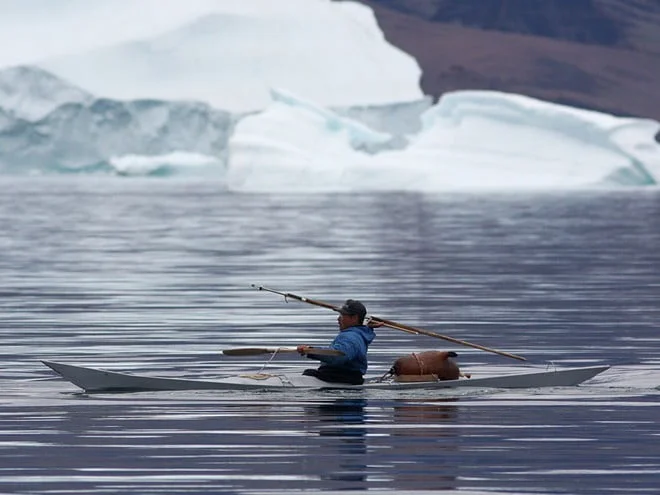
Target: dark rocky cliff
598	54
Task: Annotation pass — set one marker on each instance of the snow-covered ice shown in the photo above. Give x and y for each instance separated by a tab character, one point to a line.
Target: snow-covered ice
470	140
331	52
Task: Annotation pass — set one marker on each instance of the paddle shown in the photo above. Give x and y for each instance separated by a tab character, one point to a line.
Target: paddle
392	324
253	351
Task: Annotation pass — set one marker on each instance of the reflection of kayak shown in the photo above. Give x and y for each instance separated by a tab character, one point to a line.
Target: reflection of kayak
98	380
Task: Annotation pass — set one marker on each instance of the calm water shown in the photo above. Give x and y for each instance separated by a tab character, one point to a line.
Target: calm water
154	276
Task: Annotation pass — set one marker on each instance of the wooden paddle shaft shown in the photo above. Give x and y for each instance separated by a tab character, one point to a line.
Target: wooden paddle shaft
419	331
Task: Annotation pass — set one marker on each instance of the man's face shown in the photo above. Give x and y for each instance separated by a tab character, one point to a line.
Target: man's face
346	321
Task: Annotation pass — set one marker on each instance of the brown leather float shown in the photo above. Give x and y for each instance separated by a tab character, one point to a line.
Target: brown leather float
438	363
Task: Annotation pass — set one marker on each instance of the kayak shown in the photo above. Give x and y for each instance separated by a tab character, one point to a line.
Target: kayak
100	380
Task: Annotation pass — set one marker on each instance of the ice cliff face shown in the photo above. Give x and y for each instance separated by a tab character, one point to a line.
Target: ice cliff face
80	131
76	135
31	93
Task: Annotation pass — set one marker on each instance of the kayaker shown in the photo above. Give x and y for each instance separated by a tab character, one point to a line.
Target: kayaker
353	340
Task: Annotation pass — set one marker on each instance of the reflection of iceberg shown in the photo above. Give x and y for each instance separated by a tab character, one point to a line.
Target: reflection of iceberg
469	140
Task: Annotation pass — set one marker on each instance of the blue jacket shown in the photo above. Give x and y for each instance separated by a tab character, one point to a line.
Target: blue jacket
353	342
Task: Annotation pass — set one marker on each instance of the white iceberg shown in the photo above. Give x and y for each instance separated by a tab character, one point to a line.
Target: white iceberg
236	51
471	140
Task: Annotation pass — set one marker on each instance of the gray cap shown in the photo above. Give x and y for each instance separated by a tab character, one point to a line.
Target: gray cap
353	307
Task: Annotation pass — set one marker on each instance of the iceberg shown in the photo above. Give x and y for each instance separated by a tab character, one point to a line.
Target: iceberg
296	142
470	140
232	54
85	136
80	133
190	92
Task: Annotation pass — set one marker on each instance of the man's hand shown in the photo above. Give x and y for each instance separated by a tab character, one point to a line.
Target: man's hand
303	349
374	324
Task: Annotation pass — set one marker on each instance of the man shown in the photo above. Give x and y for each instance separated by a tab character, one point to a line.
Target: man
353	341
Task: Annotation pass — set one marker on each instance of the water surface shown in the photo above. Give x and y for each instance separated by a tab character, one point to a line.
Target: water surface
153	276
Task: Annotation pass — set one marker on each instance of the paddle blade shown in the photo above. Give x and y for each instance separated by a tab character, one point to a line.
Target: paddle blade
254	351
